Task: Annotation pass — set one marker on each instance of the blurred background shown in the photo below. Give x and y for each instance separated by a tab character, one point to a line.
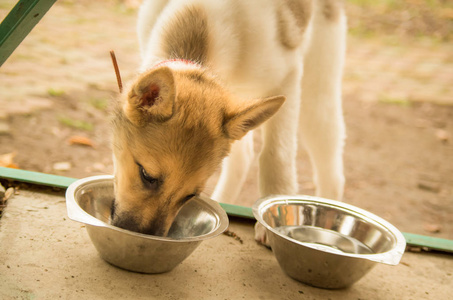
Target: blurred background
57	87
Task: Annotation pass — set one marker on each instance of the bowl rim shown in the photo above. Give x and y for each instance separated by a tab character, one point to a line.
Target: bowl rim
77	213
391	257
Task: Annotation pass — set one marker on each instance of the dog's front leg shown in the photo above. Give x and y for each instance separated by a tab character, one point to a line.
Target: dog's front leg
322	126
277	162
235	168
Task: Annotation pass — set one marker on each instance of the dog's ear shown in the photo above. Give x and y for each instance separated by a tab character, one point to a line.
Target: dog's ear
251	116
151	97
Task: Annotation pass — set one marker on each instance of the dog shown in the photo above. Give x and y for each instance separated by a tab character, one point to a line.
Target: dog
212	72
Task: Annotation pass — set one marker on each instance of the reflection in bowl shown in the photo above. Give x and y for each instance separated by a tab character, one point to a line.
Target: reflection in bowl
90	200
327	243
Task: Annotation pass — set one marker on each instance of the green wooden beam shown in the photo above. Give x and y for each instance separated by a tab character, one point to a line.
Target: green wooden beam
431	243
18	24
238	211
37	178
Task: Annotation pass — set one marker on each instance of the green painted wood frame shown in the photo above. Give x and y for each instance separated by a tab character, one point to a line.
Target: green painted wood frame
18	24
37	178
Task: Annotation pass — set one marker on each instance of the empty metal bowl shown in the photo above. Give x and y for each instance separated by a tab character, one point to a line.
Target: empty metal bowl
89	201
326	243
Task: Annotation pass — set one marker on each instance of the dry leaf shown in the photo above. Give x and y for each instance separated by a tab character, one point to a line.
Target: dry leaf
432	228
62	166
9	192
442	135
2	192
430	186
7	160
80	140
414	249
98	167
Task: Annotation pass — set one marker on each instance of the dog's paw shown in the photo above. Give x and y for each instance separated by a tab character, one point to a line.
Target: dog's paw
261	235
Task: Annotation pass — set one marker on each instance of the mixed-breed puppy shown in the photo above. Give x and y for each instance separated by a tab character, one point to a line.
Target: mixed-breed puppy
211	72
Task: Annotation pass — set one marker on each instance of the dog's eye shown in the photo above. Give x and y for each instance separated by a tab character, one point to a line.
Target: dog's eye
150	181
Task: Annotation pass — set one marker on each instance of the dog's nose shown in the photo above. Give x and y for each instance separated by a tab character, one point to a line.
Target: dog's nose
126	222
155	227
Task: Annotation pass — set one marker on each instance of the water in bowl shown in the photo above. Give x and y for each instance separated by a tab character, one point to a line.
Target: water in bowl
325	240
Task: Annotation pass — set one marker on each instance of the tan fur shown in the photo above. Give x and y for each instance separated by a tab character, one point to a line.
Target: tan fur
239	123
181	148
293	17
187	35
332	9
176	151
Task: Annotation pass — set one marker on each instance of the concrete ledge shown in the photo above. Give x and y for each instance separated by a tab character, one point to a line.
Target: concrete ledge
45	255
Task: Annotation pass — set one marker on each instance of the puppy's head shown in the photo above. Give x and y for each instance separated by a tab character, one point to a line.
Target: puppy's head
171	131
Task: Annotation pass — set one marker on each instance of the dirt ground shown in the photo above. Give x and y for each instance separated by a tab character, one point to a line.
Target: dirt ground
56	90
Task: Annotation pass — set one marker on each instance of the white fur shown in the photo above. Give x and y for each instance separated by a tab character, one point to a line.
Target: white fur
177	64
311	116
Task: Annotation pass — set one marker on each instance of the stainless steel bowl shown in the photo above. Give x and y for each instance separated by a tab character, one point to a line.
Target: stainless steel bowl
326	243
89	201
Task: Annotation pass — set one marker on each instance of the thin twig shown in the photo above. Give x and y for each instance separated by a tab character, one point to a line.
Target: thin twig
117	70
234	236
